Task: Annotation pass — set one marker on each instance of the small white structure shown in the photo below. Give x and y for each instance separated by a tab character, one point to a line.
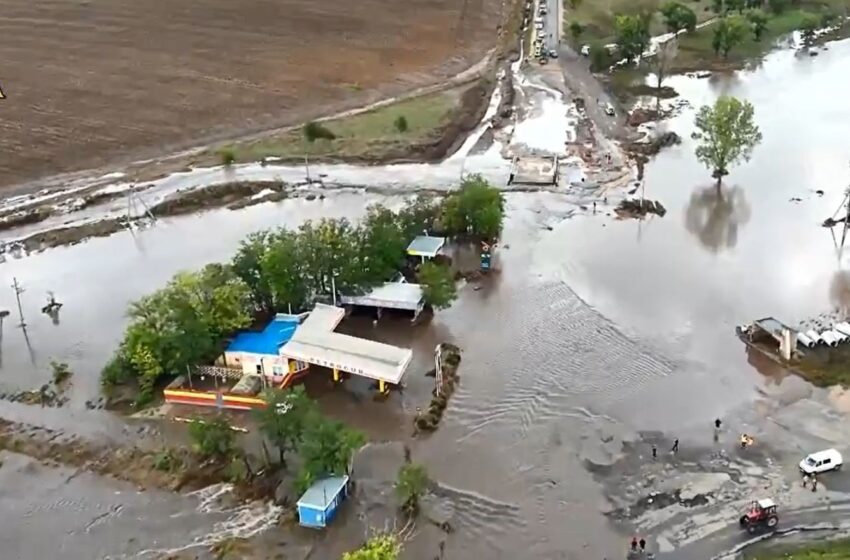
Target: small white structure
425	247
390	295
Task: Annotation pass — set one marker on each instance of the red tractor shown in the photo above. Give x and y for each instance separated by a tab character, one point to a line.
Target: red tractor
761	516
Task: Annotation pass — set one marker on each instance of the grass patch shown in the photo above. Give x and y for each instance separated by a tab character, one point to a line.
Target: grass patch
364	135
834	550
825	367
597	18
697	53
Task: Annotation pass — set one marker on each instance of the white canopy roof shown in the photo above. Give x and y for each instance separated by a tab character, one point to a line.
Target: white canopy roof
316	343
390	295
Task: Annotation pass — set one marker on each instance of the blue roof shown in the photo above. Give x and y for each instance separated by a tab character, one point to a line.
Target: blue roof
269	340
323	492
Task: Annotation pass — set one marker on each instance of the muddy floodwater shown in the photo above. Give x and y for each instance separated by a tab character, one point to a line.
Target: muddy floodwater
591	321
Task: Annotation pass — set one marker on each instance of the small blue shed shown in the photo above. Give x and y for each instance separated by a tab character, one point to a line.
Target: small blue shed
320	503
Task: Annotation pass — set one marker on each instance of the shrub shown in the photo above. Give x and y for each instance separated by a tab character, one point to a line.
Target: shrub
61	372
401	123
314	131
228	156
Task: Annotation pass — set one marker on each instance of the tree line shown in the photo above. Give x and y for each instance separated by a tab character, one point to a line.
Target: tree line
188	321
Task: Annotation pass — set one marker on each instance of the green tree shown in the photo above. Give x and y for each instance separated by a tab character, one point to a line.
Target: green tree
778	6
285	418
729	32
418	216
438	285
331	251
476	208
401	124
314	131
411	485
228	156
217	295
727	133
576	29
600	57
379	547
327	447
719	6
148	370
247	265
212	439
758	23
808	26
736	6
632	35
677	16
283	269
661	64
382	245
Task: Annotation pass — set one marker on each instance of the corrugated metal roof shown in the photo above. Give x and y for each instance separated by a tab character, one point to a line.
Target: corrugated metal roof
425	246
391	295
323	492
269	340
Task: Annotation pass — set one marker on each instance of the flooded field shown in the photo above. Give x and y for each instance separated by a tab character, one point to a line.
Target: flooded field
595	332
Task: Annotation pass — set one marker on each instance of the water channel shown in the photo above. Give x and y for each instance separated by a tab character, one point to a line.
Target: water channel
590	319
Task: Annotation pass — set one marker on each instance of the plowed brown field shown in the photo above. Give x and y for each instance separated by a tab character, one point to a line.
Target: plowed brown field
95	82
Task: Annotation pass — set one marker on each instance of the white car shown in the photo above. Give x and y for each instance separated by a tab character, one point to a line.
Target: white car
585	50
822	461
609	109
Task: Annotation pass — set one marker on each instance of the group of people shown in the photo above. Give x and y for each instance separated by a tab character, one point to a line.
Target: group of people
810	478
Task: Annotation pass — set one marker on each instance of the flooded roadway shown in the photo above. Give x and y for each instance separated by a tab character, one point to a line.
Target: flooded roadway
592	321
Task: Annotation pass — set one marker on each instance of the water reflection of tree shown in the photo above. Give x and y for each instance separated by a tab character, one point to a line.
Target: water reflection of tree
714	217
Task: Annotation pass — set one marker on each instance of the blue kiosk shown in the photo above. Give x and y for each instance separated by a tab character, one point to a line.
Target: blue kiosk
320	503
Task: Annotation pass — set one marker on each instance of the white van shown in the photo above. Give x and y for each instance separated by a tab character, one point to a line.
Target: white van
822	461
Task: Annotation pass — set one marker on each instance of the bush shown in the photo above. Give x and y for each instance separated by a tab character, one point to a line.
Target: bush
212	439
314	131
778	6
166	461
576	29
228	156
61	372
401	123
411	485
438	285
600	57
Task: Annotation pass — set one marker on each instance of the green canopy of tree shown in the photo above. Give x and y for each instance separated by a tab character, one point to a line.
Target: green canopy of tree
758	23
411	485
729	32
380	547
438	285
382	243
632	34
778	6
327	447
600	57
212	438
182	324
285	418
727	133
808	26
677	16
476	208
576	29
247	265
736	6
418	216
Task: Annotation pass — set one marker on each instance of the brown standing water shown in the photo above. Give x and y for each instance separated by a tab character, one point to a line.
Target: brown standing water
591	320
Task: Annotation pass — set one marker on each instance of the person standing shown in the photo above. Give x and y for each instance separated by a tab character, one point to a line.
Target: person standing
654	452
805	480
717	423
634	543
675	447
642	544
814	483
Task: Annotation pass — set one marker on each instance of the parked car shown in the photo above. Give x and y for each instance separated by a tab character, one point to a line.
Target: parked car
585	50
553	53
822	461
609	110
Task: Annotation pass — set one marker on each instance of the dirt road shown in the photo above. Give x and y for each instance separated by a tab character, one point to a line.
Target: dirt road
89	84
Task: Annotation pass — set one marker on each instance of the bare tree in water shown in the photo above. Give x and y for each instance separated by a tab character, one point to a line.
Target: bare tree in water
661	64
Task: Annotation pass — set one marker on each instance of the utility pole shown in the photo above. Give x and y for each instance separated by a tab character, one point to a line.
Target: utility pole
18	291
307	168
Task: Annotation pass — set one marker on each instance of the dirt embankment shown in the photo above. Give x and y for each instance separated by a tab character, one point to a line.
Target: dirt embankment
238	193
172	469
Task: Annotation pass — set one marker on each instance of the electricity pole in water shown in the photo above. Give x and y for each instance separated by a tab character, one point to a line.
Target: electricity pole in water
18	291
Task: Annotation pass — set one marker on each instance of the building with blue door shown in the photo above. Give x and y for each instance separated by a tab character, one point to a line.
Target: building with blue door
320	503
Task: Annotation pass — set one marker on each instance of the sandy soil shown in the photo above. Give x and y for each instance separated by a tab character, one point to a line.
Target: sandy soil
120	80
